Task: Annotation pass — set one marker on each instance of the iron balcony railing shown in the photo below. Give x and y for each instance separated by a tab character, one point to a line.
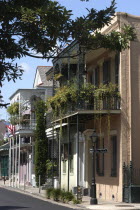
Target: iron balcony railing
26	125
107	104
131	175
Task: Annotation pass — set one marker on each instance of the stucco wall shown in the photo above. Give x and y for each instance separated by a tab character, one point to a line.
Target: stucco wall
130	93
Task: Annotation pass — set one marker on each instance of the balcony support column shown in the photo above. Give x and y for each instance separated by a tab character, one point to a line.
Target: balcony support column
13	161
68	67
77	145
16	163
81	67
68	134
10	162
59	140
19	161
81	72
53	157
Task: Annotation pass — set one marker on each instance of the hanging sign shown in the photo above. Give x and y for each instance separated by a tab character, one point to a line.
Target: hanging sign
98	150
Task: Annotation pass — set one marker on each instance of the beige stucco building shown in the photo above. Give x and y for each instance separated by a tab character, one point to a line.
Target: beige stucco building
117	127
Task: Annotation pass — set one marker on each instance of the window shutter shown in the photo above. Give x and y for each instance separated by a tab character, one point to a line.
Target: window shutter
114	156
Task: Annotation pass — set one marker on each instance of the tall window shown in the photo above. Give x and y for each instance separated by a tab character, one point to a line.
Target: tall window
71	157
114	155
96	82
100	157
106	72
117	63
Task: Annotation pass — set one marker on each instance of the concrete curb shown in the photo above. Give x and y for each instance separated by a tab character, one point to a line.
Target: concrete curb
116	206
36	195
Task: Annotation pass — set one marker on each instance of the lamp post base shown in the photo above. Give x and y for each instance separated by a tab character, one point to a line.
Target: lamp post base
93	201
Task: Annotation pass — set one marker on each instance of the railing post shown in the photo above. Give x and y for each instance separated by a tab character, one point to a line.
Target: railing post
124	180
131	174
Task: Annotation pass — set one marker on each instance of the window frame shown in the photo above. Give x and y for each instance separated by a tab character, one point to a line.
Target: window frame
114	155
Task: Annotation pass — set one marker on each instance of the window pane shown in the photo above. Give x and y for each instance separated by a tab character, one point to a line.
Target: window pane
117	62
97	76
106	72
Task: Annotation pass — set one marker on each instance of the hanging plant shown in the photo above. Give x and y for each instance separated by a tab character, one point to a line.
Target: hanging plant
64	96
87	92
13	109
14	120
107	90
69	95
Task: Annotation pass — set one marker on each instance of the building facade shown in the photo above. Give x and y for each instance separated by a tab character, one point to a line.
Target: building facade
22	140
111	112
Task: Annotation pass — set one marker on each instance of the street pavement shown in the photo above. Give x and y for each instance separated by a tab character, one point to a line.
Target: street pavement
11	200
33	198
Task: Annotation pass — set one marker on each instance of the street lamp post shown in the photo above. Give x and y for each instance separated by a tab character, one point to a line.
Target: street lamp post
93	199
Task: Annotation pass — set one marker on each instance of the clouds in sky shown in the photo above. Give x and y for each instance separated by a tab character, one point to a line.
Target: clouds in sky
25	66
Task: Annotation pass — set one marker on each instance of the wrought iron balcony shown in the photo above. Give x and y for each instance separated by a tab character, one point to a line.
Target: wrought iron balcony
26	125
106	104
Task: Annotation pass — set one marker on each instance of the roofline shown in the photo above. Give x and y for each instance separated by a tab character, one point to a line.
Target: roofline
127	15
118	14
33	89
36	73
65	49
47	73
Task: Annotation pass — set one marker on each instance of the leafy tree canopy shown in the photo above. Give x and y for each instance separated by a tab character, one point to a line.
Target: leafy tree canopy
44	27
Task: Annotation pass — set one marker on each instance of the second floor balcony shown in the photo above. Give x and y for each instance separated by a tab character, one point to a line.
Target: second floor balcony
87	99
106	104
27	124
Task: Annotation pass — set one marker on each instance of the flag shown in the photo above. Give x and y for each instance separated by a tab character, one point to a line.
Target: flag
11	128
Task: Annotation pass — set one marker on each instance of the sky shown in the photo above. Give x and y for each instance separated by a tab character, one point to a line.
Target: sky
30	64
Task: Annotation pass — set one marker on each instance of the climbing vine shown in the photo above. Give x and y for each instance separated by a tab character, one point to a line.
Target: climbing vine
101	97
40	143
13	111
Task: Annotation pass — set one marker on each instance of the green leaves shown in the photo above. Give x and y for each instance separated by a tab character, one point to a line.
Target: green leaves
71	95
82	27
40	143
45	27
13	109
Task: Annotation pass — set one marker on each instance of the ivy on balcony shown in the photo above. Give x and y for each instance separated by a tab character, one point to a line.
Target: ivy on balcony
88	96
13	111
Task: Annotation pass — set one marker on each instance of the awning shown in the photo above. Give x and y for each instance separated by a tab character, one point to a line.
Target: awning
50	132
4	147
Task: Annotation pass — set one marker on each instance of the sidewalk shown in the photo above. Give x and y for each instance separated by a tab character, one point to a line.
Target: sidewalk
102	205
